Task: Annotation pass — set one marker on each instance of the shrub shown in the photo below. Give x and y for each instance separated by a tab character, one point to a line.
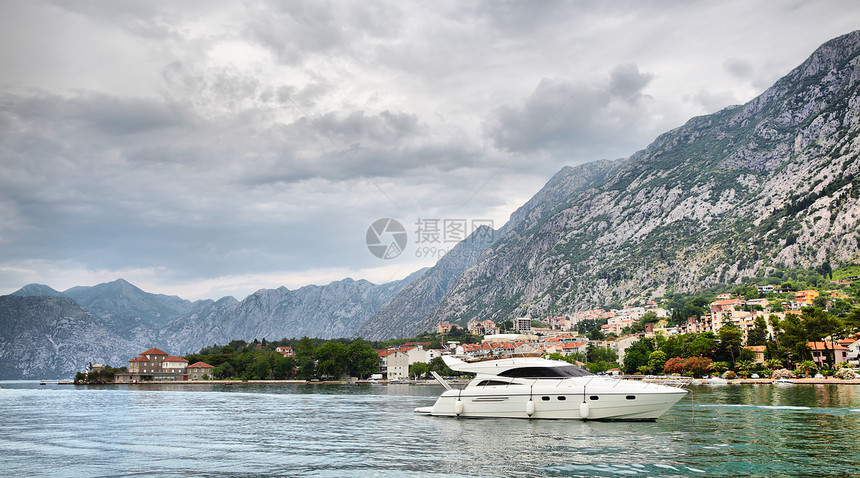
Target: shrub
730	375
782	373
674	365
697	365
720	367
845	374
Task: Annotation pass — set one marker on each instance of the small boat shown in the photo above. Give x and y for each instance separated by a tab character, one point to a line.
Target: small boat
783	381
715	381
532	387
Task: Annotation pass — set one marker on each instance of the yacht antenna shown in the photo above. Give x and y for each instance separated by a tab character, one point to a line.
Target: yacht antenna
441	380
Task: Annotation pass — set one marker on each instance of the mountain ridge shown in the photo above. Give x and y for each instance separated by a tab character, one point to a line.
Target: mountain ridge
716	200
54	335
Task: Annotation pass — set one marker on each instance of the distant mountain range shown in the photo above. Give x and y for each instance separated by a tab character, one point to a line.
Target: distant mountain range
721	199
45	333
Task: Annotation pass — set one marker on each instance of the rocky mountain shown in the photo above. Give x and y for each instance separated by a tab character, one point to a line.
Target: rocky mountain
37	290
126	306
331	311
46	333
408	312
54	337
720	199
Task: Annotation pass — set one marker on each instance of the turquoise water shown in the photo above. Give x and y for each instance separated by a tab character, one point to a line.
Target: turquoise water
341	430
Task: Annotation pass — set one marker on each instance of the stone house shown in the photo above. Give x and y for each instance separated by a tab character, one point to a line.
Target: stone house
154	364
197	370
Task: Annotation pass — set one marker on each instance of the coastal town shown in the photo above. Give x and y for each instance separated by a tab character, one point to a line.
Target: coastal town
603	345
439	239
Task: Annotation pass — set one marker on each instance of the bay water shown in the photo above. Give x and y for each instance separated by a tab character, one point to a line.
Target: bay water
371	430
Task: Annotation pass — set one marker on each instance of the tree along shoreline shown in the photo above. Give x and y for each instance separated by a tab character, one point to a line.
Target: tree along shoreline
266	382
739	381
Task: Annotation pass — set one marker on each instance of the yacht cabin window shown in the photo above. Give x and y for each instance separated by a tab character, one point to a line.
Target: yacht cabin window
546	372
486	383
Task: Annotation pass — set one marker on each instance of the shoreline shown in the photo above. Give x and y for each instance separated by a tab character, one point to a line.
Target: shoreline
257	382
798	381
739	381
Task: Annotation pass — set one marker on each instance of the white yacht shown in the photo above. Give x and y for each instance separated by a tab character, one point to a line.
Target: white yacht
531	387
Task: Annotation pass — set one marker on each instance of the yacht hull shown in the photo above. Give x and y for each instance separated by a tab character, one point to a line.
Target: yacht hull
560	399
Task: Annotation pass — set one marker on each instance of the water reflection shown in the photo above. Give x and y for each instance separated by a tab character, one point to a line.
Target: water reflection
370	430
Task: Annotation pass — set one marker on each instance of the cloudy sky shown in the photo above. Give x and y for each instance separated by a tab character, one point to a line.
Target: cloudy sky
207	148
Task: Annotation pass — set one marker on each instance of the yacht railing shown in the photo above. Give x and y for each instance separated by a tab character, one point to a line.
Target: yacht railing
669	381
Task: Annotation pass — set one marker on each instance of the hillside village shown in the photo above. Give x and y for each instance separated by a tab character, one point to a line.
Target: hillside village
620	329
599	339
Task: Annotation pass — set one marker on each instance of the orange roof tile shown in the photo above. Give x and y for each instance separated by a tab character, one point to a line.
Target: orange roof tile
154	351
175	359
200	365
822	345
726	302
139	359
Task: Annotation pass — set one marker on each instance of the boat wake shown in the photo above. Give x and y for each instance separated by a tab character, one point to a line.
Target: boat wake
790	408
654	469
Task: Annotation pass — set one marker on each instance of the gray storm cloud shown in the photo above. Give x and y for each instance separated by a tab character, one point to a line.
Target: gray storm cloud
197	142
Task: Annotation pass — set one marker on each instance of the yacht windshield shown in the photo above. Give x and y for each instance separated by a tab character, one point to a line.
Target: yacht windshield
564	371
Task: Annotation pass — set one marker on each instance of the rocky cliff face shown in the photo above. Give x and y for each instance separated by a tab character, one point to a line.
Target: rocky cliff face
410	310
718	200
127	307
47	334
331	311
53	337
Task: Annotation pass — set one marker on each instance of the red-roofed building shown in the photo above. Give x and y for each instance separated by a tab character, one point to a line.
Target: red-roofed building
806	296
394	362
572	347
153	352
758	351
286	351
174	365
853	346
154	364
482	327
725	305
821	351
199	371
135	365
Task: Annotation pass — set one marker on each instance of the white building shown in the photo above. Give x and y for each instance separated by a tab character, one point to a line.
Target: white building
397	365
622	344
395	361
